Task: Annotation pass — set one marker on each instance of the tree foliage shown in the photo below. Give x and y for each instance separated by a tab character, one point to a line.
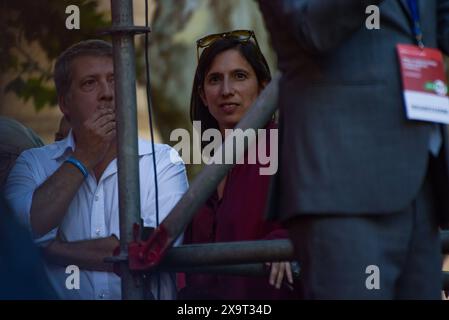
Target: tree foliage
27	23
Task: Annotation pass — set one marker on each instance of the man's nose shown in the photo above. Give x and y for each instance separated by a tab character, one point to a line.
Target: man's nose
107	90
227	87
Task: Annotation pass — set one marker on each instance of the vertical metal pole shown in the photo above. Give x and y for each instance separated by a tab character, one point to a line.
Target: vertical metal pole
128	165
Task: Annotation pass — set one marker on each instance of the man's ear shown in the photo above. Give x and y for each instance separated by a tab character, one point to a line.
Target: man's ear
202	95
62	102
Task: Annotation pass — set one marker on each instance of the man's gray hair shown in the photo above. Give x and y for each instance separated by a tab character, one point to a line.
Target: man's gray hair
62	73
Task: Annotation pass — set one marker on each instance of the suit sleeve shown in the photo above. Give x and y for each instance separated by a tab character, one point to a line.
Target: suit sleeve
318	26
443	25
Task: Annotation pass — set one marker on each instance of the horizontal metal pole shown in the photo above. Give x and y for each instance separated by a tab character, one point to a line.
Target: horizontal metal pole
233	258
245	269
228	253
238	258
248	269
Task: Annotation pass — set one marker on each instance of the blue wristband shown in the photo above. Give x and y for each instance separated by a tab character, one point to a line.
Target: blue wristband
79	165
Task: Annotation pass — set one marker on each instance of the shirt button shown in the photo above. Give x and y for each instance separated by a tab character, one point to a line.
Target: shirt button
96	198
102	295
97	231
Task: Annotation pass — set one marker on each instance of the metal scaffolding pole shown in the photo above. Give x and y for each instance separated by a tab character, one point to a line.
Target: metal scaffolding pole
126	111
223	253
220	254
246	270
233	256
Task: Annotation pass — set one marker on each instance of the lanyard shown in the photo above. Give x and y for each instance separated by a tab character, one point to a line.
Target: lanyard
417	32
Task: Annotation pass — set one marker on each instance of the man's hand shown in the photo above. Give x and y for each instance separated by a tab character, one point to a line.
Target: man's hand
94	137
86	254
278	270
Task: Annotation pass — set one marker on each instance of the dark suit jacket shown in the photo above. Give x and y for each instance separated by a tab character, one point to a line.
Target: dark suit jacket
22	272
346	145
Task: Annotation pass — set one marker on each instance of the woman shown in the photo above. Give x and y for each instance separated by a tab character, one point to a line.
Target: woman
230	75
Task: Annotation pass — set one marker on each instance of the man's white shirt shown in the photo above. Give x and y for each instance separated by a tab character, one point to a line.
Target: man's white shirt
94	211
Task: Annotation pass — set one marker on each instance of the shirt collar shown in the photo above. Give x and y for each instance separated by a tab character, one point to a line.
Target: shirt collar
145	147
64	145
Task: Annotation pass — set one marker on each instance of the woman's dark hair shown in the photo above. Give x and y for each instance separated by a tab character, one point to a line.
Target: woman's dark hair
248	49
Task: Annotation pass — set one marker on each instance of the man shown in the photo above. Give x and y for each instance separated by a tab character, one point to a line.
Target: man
67	192
362	187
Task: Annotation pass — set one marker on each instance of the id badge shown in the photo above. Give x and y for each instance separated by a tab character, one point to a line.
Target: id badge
424	84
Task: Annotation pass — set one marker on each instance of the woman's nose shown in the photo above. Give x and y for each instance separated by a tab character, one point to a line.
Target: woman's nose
227	88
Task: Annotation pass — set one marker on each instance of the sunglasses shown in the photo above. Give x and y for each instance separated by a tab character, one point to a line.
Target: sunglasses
240	35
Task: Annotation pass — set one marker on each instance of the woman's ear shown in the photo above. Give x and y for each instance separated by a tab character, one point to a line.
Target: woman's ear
263	85
202	95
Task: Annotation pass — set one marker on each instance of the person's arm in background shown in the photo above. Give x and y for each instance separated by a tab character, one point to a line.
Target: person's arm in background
318	26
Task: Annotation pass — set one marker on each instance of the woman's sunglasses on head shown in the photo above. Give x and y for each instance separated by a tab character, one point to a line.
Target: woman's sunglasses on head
241	35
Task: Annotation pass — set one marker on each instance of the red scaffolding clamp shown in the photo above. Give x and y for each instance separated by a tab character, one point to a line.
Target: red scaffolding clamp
145	255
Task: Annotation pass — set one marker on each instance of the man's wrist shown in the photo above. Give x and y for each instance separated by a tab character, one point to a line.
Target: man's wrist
78	164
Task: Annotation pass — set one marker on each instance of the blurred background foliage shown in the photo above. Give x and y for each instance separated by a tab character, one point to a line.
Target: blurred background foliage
33	33
42	23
